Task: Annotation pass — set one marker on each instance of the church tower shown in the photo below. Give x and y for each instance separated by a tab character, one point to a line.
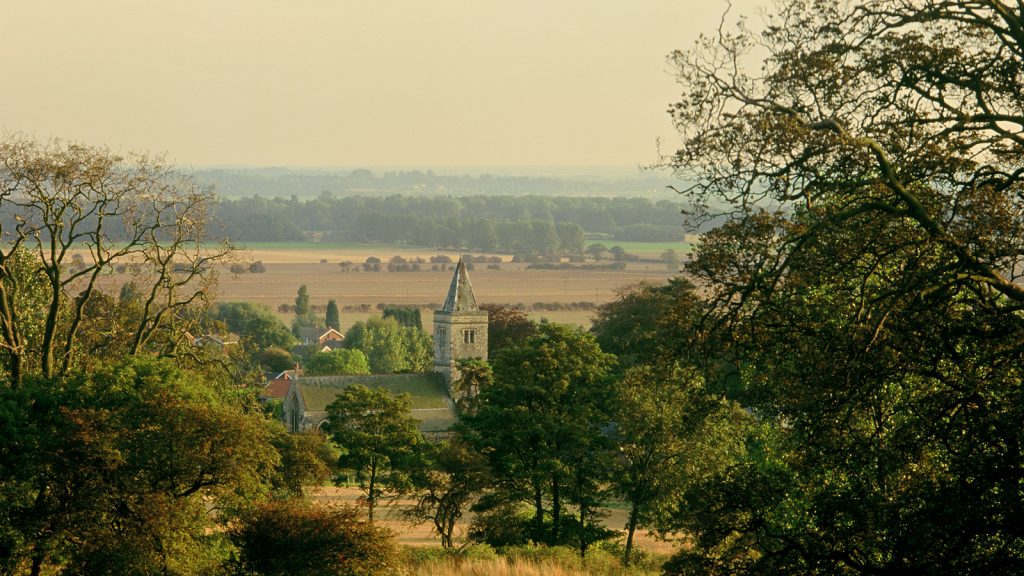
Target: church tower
460	327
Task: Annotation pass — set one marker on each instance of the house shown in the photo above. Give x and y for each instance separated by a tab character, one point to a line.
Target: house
310	335
220	341
277	385
460	332
332	345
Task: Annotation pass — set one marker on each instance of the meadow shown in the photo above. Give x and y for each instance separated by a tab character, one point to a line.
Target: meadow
425	557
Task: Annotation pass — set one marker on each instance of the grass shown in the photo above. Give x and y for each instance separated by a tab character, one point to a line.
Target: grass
482	560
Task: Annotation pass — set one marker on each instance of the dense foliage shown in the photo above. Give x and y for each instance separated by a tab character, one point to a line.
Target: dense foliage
540	424
127	448
293	538
391	347
111	472
867	285
337	362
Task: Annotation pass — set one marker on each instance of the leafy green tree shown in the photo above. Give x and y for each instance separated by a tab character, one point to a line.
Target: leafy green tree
337	362
669	431
307	459
474	376
543	238
406	316
304	317
378	439
256	323
875	308
419	350
540	424
451	478
648	323
390	347
596	250
302	307
333	318
570	237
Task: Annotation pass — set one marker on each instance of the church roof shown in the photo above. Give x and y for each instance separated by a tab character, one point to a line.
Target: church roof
460	294
431	404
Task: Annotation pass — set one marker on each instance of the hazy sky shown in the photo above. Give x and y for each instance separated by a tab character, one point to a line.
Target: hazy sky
351	83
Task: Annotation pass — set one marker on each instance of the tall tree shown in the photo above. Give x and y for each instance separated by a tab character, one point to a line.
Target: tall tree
540	423
648	322
333	318
669	431
868	282
378	439
474	376
304	317
451	477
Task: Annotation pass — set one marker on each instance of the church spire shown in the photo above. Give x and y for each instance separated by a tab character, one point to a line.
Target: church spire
460	294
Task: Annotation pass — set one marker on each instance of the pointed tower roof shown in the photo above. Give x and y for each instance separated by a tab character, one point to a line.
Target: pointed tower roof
460	294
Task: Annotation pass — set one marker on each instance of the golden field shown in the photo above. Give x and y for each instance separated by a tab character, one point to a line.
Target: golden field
289	268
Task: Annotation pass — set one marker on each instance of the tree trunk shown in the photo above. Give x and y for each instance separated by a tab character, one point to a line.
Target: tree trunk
50	328
538	514
556	509
634	514
371	498
584	543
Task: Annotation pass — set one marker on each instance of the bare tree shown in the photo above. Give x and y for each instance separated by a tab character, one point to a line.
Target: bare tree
78	212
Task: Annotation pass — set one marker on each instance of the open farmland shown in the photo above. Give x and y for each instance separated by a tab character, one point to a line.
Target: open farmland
290	267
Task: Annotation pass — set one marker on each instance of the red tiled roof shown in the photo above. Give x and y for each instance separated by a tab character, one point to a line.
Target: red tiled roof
276	389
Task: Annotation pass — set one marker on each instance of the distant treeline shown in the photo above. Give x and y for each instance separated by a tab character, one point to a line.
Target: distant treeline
486	223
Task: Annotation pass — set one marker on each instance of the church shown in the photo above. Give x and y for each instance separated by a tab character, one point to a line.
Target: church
460	333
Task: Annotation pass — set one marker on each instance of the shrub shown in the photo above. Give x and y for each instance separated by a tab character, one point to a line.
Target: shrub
294	538
276	359
505	525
